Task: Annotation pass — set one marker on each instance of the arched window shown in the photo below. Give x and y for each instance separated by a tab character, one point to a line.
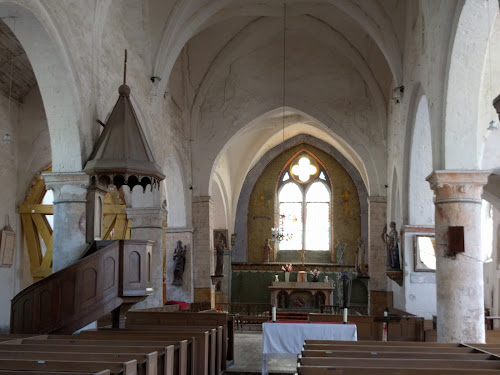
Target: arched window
304	206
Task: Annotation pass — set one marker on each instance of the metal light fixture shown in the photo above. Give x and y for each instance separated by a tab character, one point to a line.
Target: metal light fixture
278	234
493	125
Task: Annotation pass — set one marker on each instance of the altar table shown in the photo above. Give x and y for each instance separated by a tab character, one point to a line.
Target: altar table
284	338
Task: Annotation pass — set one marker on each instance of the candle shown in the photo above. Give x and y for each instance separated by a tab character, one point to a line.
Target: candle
345	315
274	314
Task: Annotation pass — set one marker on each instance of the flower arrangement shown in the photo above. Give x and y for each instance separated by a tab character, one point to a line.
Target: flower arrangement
287	267
315	274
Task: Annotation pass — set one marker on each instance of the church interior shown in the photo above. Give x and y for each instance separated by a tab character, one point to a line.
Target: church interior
354	141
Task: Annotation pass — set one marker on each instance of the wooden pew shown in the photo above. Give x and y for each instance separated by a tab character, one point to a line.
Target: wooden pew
146	363
409	362
322	357
104	372
395	355
216	341
168	360
164	363
125	368
200	357
318	370
156	316
451	349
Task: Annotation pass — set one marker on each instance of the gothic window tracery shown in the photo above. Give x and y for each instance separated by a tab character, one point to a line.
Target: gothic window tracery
304	205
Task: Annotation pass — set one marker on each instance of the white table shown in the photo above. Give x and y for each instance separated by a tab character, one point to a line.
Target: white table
287	339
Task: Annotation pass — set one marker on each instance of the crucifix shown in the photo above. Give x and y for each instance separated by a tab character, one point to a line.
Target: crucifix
346	196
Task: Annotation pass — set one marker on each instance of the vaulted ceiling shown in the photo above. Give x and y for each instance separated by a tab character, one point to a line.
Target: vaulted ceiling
14	63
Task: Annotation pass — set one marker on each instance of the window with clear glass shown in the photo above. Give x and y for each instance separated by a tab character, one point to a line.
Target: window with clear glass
304	206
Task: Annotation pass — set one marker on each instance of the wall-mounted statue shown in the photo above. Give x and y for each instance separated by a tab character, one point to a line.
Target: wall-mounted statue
179	263
219	252
339	252
267	251
391	240
360	257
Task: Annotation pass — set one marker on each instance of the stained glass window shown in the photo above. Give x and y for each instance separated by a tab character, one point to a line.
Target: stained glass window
304	206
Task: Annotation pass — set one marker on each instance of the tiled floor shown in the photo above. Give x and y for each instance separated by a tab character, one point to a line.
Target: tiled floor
248	356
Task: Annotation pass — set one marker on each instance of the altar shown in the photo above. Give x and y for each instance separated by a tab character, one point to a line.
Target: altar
301	295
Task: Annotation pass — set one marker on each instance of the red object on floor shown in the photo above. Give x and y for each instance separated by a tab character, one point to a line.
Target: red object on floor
182	305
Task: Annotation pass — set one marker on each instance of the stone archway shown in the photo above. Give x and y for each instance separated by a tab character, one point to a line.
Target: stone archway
51	63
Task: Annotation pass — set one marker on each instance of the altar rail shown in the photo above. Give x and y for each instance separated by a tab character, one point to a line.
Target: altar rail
354	309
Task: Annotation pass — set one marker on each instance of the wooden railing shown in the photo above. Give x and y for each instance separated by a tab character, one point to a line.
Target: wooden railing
354	309
112	276
250	309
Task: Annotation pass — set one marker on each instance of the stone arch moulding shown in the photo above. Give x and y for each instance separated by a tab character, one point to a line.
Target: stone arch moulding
49	57
324	33
462	136
416	124
239	252
185	16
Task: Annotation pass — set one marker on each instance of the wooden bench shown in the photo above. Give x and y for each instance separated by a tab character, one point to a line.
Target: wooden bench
125	368
105	372
409	362
216	340
146	363
172	356
156	316
396	355
321	357
166	364
200	359
318	370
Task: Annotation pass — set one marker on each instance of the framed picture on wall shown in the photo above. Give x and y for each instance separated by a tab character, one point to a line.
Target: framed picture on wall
424	250
221	235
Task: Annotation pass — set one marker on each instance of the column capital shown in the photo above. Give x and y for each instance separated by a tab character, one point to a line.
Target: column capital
455	186
147	217
68	187
376	199
203	199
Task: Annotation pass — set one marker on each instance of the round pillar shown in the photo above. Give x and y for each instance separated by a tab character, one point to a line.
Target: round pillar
459	277
70	200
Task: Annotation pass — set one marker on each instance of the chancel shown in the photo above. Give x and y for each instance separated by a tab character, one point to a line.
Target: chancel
236	137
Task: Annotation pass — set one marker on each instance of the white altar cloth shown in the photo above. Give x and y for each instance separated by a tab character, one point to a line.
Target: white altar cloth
288	338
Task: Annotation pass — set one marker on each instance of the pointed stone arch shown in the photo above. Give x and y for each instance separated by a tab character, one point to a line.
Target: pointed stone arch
54	71
239	253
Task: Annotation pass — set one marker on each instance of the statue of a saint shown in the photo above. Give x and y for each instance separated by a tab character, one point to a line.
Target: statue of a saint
391	240
179	263
360	257
267	251
339	251
219	260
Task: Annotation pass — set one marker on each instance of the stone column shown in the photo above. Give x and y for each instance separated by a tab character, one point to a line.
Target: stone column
377	255
459	278
147	224
203	249
70	199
